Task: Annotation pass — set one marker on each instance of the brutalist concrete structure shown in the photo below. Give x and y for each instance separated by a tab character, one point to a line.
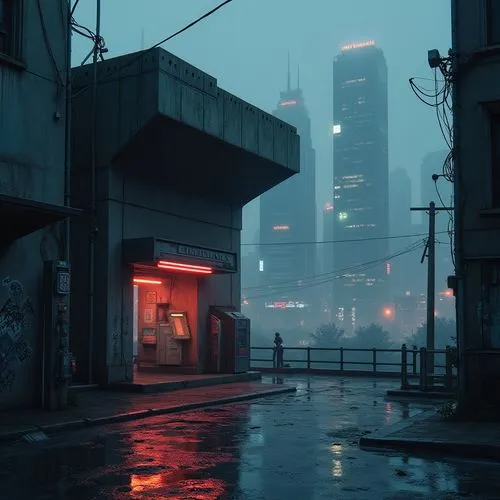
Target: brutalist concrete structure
177	159
476	173
33	135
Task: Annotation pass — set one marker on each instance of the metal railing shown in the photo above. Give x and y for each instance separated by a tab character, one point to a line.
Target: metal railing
411	365
431	376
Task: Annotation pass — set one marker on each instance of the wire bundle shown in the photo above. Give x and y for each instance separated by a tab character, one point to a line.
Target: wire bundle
440	98
320	279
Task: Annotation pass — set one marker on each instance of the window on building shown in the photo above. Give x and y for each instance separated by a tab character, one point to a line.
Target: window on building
495	159
492	22
9	35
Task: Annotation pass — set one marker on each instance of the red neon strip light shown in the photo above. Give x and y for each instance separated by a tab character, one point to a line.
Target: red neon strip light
193	271
188	267
147	281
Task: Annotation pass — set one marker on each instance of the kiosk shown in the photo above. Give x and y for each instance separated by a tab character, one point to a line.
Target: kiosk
229	345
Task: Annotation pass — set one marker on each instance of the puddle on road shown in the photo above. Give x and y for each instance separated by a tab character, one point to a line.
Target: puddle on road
287	447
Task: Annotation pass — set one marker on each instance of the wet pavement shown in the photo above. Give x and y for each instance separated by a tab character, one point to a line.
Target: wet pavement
298	446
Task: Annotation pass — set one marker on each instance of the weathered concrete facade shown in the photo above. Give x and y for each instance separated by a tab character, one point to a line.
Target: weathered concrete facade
177	158
476	44
32	162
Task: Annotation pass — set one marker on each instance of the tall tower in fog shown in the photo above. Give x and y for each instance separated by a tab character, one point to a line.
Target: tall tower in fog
288	212
361	183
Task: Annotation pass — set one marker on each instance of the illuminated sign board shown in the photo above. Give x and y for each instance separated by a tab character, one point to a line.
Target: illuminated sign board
292	102
286	305
358	45
328	207
281	228
337	129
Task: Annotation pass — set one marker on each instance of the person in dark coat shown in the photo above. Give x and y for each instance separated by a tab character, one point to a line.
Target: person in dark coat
278	351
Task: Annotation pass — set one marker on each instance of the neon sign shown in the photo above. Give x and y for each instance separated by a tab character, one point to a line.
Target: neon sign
286	305
292	102
281	228
358	45
189	268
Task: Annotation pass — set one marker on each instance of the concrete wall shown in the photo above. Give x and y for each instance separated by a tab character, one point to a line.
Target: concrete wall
138	208
31	166
478	221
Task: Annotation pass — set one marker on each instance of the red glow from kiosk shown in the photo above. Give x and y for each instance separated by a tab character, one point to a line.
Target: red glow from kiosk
189	268
145	281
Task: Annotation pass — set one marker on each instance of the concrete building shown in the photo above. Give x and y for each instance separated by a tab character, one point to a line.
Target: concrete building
288	227
33	70
177	159
476	42
403	269
361	183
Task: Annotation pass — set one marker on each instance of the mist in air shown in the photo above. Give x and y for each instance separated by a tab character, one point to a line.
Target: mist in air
245	46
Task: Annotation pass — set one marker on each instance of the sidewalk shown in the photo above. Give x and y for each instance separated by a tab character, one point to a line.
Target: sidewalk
103	407
427	432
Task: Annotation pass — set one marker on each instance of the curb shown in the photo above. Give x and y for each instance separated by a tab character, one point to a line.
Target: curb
141	414
383	441
420	394
160	387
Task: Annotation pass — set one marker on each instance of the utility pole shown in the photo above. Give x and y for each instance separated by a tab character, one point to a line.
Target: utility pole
430	250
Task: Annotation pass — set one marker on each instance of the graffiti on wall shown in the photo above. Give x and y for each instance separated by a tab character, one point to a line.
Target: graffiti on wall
16	320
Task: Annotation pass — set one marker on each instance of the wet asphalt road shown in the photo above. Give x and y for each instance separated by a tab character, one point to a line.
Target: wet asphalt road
300	446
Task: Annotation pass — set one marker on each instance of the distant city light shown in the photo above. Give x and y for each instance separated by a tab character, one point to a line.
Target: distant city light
286	305
407	293
447	293
281	228
388	312
288	103
337	129
342	215
261	265
328	207
357	45
387	268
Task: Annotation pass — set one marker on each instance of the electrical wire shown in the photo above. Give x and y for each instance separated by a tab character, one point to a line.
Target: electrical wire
329	275
353	240
168	38
441	101
340	274
59	80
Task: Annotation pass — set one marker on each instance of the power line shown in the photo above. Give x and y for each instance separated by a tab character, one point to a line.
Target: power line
327	280
354	240
329	275
168	38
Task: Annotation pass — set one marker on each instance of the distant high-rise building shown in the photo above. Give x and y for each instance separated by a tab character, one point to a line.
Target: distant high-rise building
327	264
405	273
361	183
288	213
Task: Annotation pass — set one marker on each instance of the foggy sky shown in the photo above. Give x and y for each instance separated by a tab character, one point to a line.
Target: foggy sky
245	44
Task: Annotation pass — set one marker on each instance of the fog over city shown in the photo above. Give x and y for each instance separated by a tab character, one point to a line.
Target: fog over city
256	49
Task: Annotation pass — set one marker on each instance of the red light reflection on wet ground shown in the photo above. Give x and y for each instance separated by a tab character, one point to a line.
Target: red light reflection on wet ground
178	460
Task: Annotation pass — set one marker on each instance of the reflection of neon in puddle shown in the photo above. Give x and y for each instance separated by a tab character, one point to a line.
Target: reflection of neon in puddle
337	468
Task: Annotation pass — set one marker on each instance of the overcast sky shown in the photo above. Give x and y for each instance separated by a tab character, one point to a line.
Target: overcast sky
244	45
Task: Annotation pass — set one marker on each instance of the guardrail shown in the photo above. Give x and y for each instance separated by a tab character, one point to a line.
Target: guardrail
408	364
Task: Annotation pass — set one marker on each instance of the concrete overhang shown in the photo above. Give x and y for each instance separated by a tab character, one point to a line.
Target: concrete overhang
159	116
22	216
150	251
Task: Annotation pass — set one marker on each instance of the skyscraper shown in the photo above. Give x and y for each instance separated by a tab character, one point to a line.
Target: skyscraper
402	280
361	181
288	214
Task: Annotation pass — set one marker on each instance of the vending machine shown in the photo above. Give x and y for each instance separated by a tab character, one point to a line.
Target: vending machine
229	343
